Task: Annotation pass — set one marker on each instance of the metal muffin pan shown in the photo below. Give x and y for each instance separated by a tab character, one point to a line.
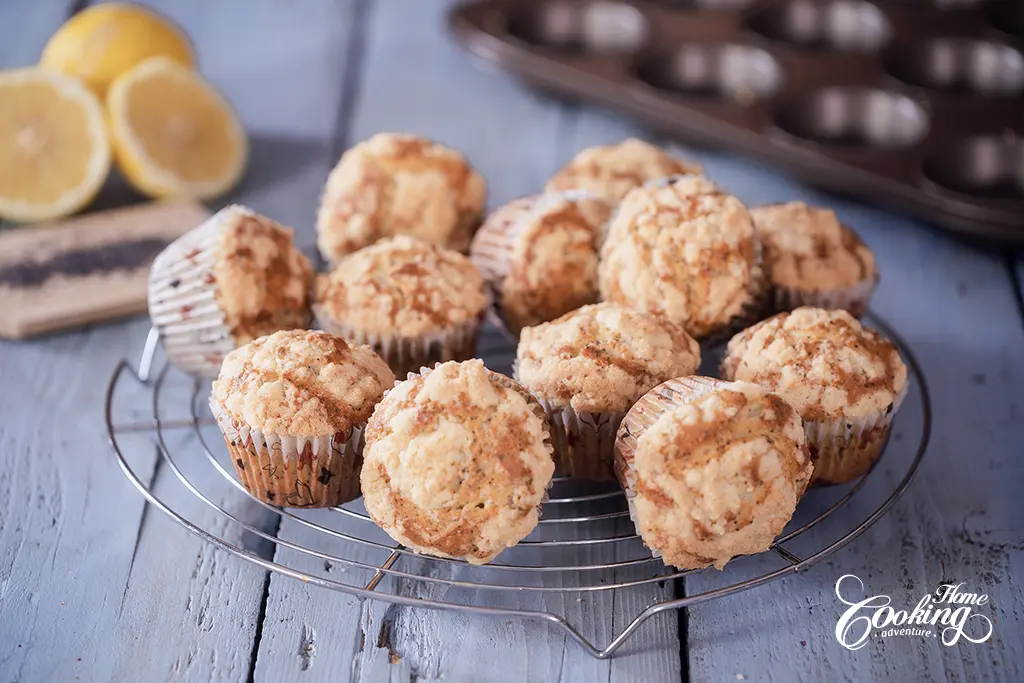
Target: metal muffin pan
914	104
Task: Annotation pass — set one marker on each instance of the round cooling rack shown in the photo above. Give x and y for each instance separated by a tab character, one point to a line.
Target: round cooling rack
585	543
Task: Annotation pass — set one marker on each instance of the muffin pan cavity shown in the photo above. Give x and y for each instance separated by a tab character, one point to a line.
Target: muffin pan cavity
602	27
905	103
960	65
736	72
846	25
1006	16
855	117
986	166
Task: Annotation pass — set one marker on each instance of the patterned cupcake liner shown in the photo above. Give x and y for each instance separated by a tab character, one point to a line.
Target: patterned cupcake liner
640	418
408	354
183	301
293	471
845	449
584	442
854	299
491	253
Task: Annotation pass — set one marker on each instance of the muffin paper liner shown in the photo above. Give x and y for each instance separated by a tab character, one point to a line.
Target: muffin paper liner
314	471
853	299
845	449
409	354
183	304
490	253
584	442
641	417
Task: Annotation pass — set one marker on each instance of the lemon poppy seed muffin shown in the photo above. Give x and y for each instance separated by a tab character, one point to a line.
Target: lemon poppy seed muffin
711	469
395	184
292	407
539	255
610	171
811	259
684	249
588	367
845	380
417	304
236	277
457	462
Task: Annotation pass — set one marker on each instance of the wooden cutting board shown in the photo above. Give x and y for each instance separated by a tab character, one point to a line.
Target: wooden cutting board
85	269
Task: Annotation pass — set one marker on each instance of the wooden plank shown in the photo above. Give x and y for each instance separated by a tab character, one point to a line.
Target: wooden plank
956	308
85	269
193	612
414	80
66	548
1017	266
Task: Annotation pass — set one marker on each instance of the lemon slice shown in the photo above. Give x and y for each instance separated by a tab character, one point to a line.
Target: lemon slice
100	43
54	148
173	134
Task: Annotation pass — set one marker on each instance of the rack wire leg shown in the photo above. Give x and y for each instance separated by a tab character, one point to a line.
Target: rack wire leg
379	574
146	361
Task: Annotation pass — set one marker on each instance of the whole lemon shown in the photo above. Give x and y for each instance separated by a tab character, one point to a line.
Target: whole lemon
100	43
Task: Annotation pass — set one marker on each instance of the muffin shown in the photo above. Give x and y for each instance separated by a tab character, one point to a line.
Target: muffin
236	277
415	303
588	367
811	259
683	249
845	380
610	171
397	184
539	255
711	470
292	407
457	462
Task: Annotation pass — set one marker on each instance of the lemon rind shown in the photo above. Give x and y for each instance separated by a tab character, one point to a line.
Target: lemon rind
146	175
99	162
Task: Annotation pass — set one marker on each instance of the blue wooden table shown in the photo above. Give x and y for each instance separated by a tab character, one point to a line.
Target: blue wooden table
96	586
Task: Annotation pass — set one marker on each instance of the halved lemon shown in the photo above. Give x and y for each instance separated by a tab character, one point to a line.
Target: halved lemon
100	43
54	148
173	134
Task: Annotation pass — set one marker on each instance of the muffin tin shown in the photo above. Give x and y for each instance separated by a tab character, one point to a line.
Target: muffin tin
918	105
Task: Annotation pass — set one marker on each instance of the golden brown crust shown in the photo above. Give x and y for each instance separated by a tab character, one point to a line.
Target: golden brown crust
539	255
602	358
301	383
712	474
806	248
457	461
397	184
611	171
685	250
825	363
262	279
402	286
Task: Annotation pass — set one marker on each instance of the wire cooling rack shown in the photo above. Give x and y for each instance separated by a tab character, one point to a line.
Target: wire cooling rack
584	545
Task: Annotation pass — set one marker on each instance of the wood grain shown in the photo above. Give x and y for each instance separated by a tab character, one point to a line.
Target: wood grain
94	587
414	80
67	546
287	98
86	269
956	308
